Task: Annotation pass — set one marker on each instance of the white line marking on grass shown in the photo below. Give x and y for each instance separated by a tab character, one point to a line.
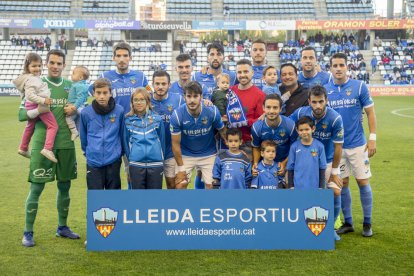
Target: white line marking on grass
397	112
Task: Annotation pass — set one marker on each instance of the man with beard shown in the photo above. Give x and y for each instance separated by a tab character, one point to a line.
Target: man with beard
124	80
290	85
251	99
330	131
192	136
310	75
277	128
215	60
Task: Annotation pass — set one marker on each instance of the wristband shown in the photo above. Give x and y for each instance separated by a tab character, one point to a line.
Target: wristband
180	168
335	171
373	137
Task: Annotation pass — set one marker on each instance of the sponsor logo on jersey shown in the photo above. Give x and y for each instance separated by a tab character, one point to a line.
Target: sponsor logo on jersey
105	221
204	120
316	218
66	89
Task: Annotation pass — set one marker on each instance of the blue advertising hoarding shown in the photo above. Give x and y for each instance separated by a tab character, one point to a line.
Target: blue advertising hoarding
210	220
218	25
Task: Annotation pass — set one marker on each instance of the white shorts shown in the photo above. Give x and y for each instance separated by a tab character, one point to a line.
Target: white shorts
203	164
356	162
169	167
330	185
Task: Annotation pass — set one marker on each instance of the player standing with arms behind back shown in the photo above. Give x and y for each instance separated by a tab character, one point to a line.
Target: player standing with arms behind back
349	98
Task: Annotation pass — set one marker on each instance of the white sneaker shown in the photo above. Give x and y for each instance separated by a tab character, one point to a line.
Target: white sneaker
24	153
74	136
49	155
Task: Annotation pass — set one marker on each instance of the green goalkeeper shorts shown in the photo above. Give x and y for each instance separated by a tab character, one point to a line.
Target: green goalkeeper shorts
43	170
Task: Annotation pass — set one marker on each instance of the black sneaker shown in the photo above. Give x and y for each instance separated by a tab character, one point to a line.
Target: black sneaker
345	228
367	230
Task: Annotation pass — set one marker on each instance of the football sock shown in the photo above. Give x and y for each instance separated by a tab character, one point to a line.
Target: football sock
63	201
198	183
346	202
337	207
32	203
365	194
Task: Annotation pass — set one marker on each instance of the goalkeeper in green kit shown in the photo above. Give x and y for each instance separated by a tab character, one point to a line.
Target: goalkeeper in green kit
43	170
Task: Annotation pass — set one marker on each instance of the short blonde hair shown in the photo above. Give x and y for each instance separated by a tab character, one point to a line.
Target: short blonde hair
223	75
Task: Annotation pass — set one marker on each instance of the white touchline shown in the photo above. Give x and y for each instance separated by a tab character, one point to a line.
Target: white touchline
397	112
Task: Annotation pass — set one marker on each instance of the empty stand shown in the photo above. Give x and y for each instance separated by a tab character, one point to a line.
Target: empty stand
99	59
12	60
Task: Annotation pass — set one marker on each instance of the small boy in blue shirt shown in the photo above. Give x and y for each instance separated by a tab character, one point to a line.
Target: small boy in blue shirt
270	85
306	162
267	169
77	97
232	168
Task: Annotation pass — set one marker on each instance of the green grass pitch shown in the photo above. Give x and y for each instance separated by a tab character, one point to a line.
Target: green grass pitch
389	251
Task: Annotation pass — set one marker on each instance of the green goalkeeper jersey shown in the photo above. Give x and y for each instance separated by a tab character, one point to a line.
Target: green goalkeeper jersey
59	90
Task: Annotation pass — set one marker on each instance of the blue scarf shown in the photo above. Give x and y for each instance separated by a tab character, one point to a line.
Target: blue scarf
235	113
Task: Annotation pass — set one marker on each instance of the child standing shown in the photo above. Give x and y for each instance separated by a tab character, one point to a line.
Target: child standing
144	142
267	168
307	161
270	81
232	168
36	93
100	135
78	95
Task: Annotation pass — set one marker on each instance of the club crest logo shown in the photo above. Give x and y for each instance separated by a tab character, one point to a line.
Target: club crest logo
105	221
204	120
170	108
133	80
316	219
112	118
66	89
314	152
324	125
348	91
282	133
235	113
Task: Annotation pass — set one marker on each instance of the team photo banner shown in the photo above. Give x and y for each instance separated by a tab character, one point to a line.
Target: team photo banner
210	220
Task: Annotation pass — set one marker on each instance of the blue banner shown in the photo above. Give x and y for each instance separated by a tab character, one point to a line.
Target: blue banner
8	90
210	220
218	25
58	24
